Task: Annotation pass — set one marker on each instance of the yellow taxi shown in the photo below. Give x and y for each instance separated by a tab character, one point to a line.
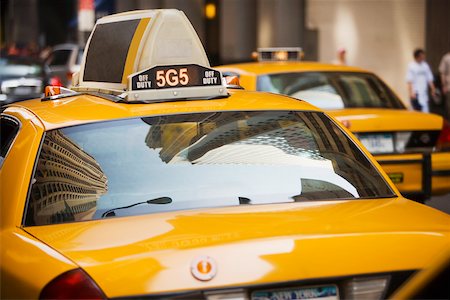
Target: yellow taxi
150	179
412	147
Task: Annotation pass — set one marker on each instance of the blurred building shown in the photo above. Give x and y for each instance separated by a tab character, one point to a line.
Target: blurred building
379	35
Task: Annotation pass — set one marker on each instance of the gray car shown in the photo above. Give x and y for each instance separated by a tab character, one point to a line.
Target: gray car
21	78
63	61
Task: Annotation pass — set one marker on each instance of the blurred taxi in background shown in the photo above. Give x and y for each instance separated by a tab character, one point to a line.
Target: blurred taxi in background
412	147
150	179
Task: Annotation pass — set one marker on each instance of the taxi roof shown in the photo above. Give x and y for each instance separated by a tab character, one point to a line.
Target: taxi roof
270	67
82	109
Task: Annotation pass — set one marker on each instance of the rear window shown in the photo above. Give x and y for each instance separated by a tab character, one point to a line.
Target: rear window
154	164
59	58
332	90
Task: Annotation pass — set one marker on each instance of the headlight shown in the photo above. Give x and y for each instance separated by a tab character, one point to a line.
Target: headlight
366	288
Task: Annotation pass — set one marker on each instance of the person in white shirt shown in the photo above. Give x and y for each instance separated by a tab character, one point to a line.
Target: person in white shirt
419	79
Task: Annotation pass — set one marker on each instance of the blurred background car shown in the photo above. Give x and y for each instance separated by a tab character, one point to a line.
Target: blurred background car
21	78
63	61
412	147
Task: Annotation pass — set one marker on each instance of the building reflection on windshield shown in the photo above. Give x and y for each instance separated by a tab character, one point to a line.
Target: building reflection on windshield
68	184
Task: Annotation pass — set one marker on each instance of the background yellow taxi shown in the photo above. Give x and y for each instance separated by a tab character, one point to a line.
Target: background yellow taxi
167	185
412	147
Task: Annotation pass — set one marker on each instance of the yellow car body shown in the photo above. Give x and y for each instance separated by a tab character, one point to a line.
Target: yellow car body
415	174
265	246
250	195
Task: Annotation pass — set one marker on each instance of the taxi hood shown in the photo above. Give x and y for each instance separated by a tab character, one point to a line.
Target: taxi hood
153	254
377	119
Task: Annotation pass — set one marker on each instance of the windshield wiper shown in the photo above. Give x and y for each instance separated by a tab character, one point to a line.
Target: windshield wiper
160	200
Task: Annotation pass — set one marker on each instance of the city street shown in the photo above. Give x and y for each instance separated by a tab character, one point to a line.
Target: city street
218	149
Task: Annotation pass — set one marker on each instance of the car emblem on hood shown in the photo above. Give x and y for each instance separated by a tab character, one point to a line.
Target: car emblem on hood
203	268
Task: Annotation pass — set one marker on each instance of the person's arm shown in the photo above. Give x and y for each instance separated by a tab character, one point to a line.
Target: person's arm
444	83
432	88
430	79
409	80
411	93
442	72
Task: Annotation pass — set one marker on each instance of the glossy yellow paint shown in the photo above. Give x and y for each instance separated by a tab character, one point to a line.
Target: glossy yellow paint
25	257
18	166
366	120
373	120
84	109
277	243
440	162
410	170
255	244
19	249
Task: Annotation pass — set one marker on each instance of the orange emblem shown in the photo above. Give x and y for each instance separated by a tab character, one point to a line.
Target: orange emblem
203	268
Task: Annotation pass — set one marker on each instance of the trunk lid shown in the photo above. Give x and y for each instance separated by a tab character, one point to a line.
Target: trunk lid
380	120
251	245
388	131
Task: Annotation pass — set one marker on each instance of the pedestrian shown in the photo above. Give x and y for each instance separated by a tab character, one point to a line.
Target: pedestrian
340	57
420	82
444	70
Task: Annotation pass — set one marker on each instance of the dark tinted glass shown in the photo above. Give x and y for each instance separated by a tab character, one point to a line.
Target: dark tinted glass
154	164
59	58
332	90
108	49
9	129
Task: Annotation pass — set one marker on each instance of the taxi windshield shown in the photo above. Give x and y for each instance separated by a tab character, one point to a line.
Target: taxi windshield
189	161
332	90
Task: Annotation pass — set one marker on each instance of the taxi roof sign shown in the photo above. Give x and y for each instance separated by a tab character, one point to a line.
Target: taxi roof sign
280	54
147	55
